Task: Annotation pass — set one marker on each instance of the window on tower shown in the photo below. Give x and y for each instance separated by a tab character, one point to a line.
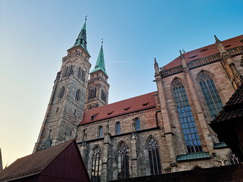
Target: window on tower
92	93
77	96
61	92
103	95
83	75
79	72
187	122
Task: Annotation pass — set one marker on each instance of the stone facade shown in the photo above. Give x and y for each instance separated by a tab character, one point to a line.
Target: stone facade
143	135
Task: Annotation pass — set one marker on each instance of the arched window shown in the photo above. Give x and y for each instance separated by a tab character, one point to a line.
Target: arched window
92	93
61	92
100	132
66	71
137	124
83	75
103	95
118	128
154	159
210	93
187	122
123	161
77	96
96	165
79	72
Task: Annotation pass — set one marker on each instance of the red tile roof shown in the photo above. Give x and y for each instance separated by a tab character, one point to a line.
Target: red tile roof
34	163
138	103
205	51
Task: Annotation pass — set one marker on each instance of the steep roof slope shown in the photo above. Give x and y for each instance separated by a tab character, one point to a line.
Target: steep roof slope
205	51
33	163
119	108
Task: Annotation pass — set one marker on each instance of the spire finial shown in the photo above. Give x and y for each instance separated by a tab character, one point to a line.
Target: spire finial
102	39
216	39
86	18
180	52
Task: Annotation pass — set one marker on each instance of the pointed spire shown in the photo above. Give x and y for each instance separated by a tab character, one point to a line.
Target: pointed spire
100	63
156	66
81	39
216	39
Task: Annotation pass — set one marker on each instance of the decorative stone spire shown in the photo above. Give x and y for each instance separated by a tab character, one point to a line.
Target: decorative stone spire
221	47
156	66
100	63
81	39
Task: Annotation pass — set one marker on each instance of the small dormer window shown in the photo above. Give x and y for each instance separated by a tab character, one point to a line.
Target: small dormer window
144	104
126	108
93	117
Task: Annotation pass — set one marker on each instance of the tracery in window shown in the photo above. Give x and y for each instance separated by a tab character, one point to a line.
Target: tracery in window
103	95
66	71
123	161
137	124
154	159
233	159
77	96
187	122
92	93
96	165
61	92
100	131
118	128
210	93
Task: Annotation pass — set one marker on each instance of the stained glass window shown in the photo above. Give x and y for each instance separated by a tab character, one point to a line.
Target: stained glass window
210	94
96	165
123	161
187	122
154	159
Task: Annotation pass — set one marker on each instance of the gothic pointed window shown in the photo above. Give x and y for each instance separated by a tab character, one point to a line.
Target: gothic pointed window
103	95
100	131
210	93
61	92
123	161
96	165
187	122
79	72
118	128
154	159
233	159
83	75
66	71
77	96
137	124
92	93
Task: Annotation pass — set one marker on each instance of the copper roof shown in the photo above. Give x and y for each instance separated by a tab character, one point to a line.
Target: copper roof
34	163
119	108
205	51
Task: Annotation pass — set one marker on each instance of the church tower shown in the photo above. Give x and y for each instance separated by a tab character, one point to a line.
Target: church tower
98	88
67	102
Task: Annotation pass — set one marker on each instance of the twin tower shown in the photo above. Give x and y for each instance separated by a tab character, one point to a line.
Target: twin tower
73	93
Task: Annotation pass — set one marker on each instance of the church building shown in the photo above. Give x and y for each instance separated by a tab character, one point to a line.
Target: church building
164	131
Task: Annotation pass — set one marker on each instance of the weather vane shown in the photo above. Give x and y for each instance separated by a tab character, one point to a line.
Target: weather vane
102	40
86	17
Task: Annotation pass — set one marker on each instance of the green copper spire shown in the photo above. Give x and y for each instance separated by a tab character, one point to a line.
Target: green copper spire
100	63
81	39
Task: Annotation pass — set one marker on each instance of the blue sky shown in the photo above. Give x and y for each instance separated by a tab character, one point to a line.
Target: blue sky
34	36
